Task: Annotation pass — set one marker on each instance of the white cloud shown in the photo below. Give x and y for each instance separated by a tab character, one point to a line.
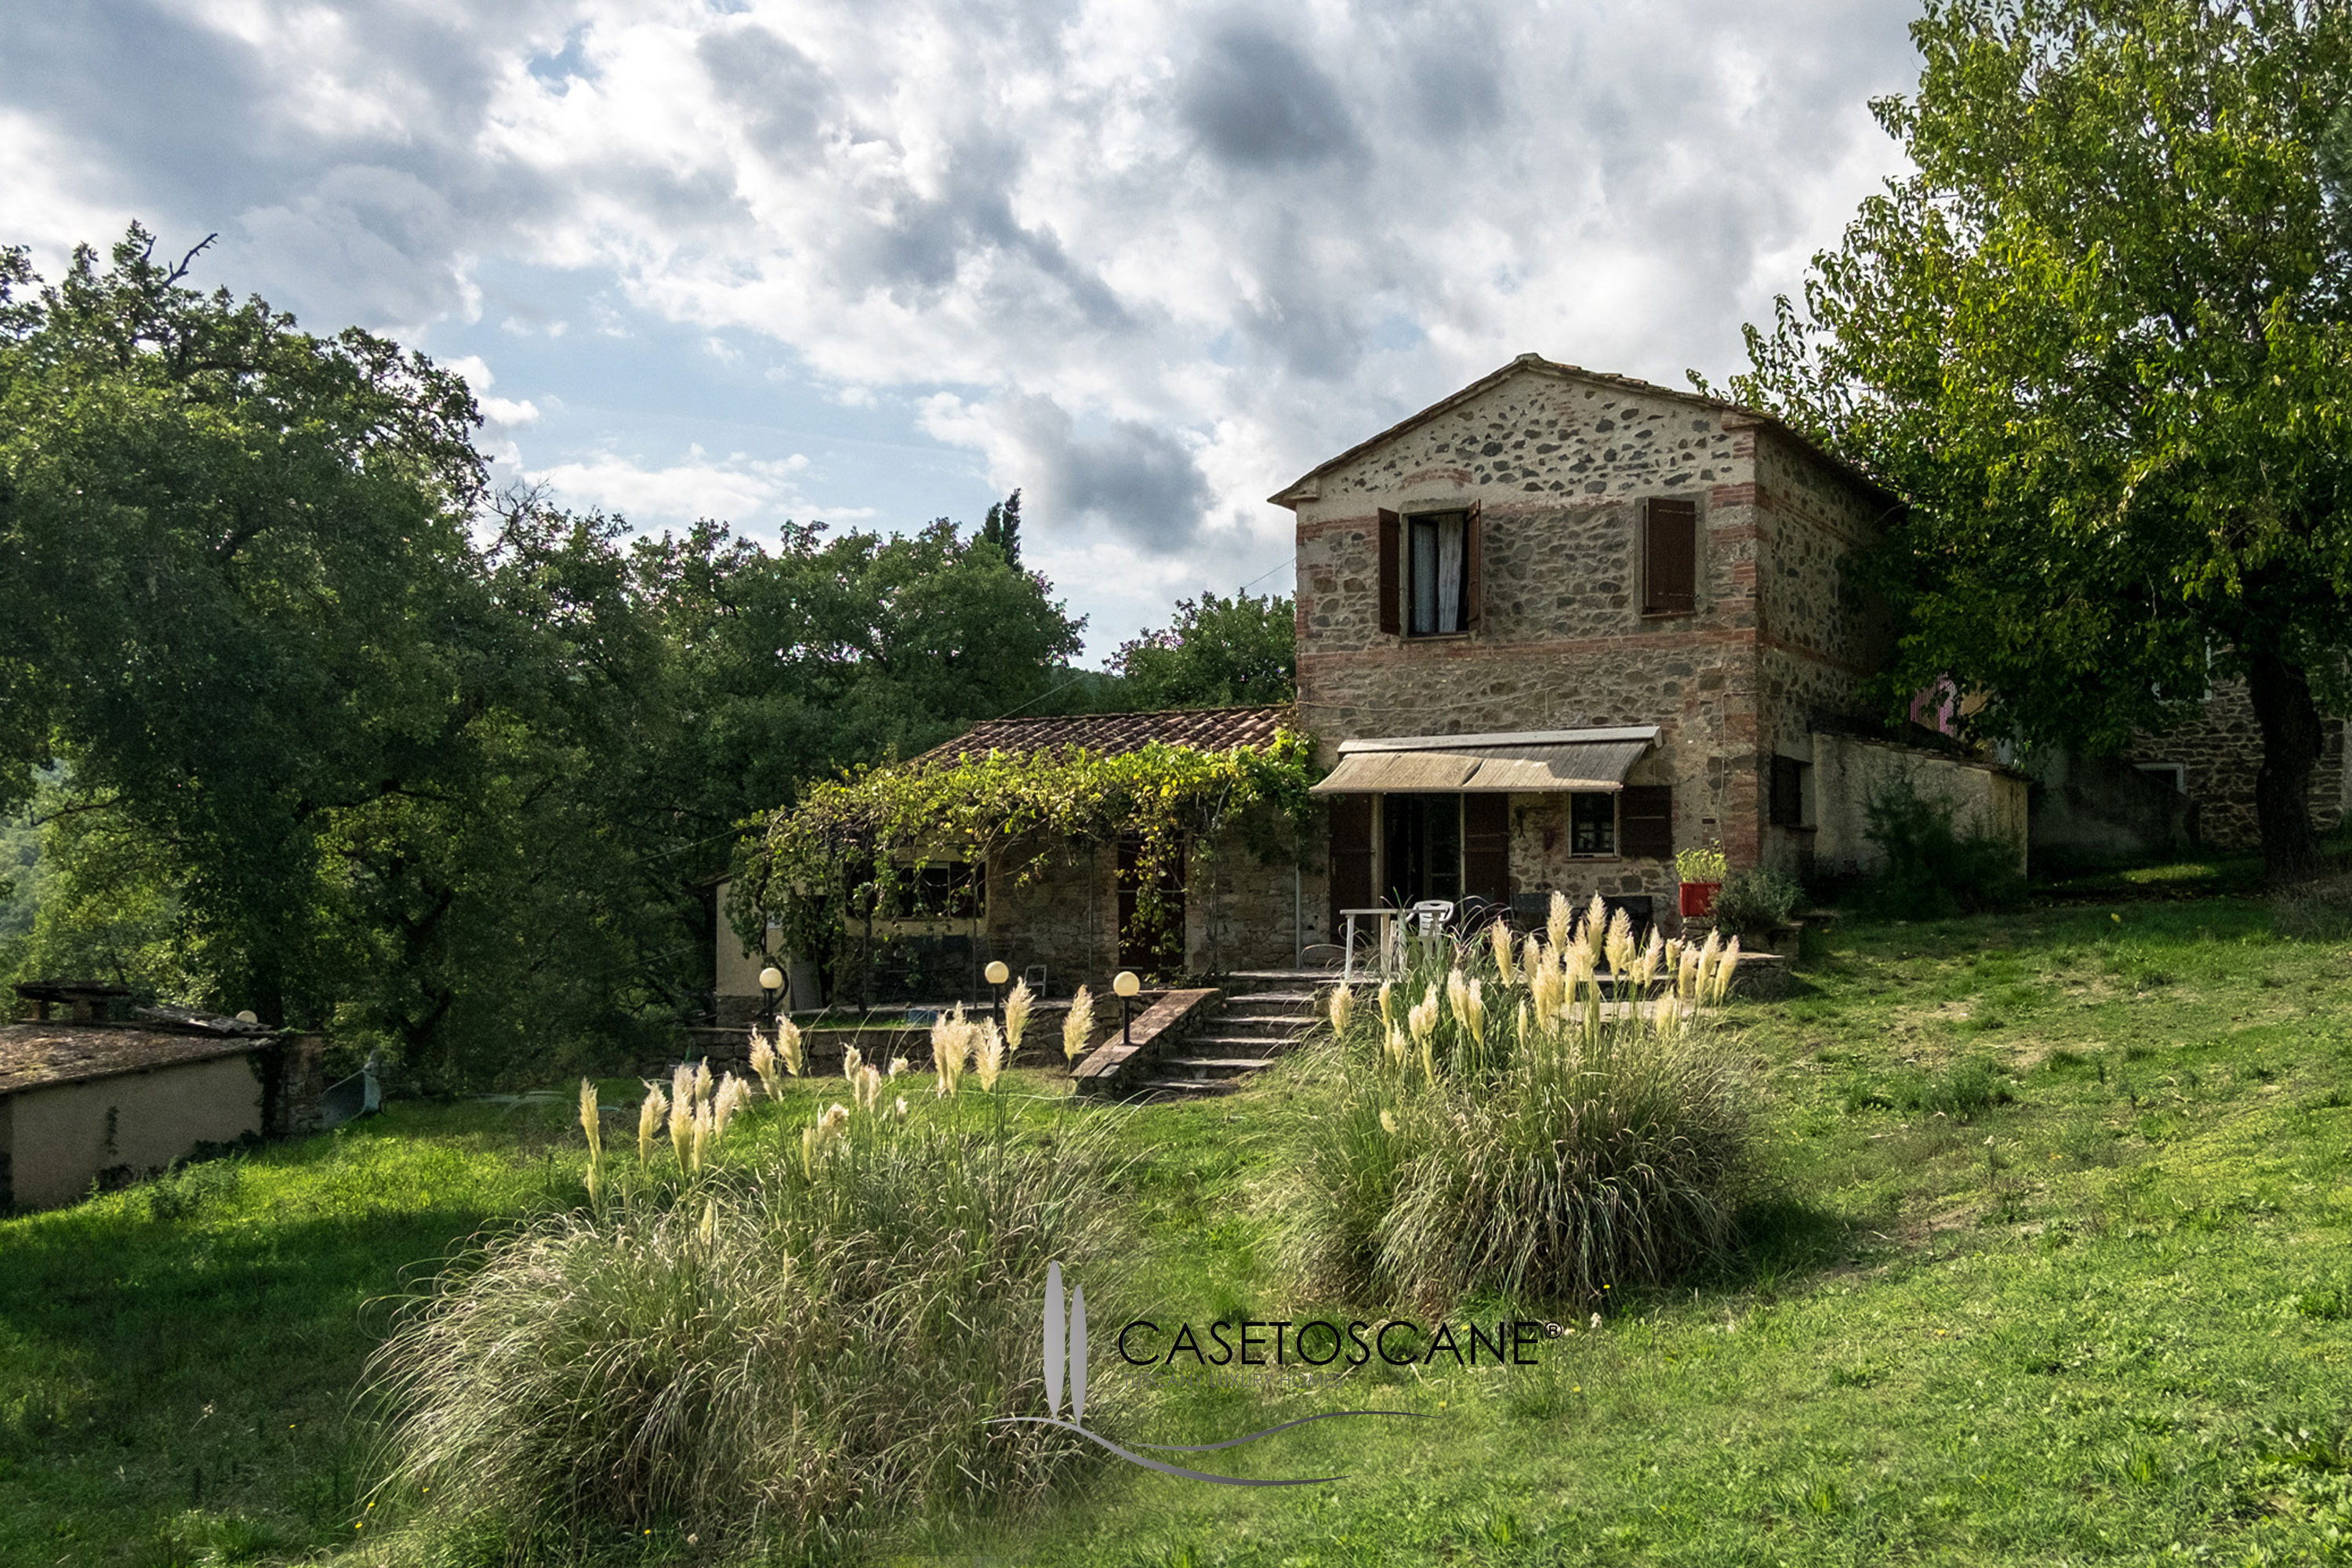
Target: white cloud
509	412
1148	261
737	489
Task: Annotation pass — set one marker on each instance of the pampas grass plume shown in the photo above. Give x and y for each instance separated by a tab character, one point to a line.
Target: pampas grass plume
1078	1027
1016	1017
650	1121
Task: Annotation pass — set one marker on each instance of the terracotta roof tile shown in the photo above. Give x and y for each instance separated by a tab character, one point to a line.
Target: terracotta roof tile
1111	734
33	1055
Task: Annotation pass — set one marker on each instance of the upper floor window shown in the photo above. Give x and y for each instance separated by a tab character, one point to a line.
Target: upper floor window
1432	575
1669	557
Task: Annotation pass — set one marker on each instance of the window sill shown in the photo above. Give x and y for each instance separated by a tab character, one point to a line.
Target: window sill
1435	636
1669	615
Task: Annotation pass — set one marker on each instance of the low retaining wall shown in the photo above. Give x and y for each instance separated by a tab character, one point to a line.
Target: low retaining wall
1114	1066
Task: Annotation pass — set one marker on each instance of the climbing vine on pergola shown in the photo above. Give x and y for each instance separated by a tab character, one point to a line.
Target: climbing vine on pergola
840	853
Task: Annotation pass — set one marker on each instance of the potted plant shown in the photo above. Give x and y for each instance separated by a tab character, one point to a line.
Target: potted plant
1700	872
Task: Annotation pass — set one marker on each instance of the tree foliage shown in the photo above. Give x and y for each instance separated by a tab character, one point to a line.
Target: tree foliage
226	546
2098	339
1216	652
333	732
837	857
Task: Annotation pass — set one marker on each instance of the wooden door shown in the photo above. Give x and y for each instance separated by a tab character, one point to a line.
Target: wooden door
1155	946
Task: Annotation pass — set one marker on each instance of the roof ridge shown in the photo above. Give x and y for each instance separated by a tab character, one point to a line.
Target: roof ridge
1137	713
1532	361
1202	729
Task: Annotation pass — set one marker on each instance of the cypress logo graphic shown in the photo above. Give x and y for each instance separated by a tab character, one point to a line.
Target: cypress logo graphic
1065	1354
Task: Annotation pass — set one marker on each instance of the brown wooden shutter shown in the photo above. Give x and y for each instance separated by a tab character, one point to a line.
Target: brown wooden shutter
1351	856
1486	847
1669	557
1473	567
1391	579
1645	822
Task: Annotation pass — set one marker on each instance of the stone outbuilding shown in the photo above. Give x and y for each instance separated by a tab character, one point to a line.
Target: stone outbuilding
1561	624
87	1101
2209	763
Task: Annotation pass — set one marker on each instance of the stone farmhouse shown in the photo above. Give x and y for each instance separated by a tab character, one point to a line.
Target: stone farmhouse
1562	624
1551	629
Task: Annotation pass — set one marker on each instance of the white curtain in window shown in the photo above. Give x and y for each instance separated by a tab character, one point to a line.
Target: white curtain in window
1449	575
1424	578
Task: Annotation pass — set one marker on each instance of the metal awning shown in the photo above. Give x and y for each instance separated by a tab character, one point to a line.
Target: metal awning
1536	763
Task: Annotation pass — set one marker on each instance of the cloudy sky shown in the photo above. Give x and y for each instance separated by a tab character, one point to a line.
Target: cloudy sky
876	261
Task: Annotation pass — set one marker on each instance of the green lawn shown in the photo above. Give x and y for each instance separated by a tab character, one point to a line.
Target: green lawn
2080	1313
2051	1266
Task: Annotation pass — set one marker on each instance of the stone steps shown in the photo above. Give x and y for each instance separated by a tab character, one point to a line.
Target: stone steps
1162	1089
1251	1029
1260	1047
1278	1028
1214	1066
1277	1002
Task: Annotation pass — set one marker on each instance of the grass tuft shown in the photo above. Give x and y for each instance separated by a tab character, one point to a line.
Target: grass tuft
764	1353
1587	1145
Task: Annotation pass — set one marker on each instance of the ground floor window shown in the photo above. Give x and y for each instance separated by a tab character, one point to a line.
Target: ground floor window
949	889
1593	825
1790	802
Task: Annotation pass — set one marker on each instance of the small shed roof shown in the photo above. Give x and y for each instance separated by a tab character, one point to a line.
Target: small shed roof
1113	734
36	1056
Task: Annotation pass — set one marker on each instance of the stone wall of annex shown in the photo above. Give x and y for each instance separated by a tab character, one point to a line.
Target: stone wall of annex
1055	904
1253	905
2219	752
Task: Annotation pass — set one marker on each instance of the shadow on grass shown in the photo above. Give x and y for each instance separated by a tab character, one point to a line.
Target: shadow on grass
194	1343
1780	1240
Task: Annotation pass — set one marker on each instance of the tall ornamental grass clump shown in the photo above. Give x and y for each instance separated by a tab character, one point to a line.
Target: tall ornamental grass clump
1543	1119
779	1341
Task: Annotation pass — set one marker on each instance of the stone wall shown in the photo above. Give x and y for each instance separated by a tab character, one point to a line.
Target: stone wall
1253	908
1242	911
2219	752
1056	904
1540	861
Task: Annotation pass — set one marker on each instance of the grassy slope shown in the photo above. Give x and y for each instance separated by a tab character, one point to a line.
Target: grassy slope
2067	1343
2063	1345
180	1384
